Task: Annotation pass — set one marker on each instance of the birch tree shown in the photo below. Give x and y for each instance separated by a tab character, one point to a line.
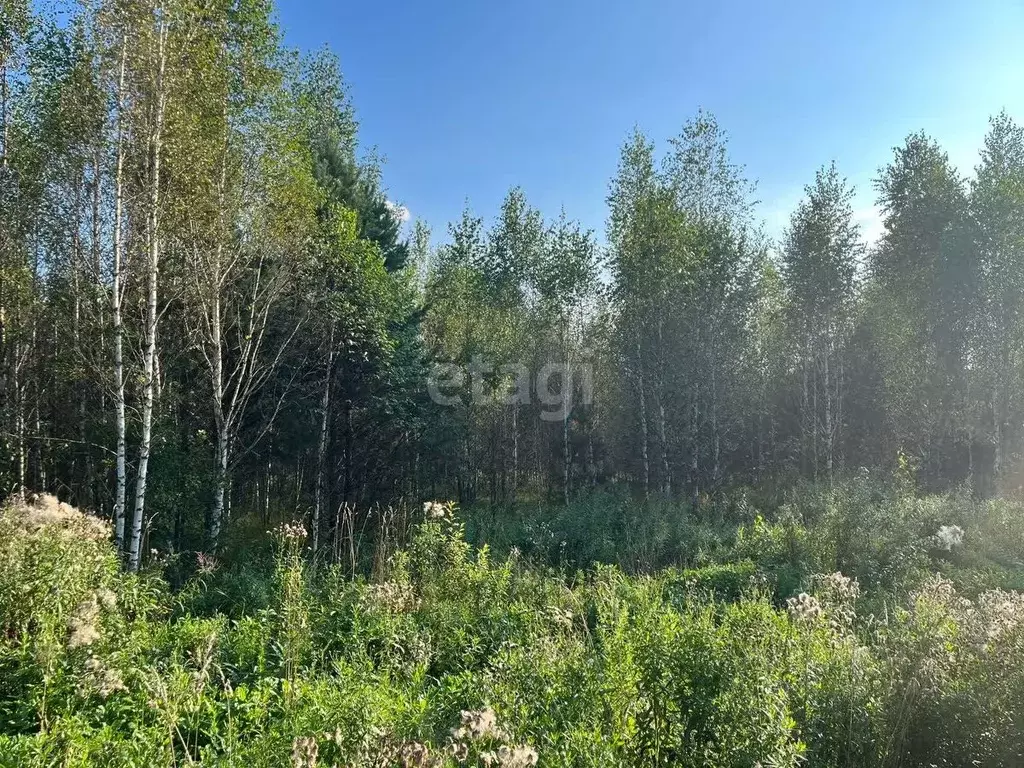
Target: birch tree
566	281
634	184
263	207
820	255
157	98
926	276
997	203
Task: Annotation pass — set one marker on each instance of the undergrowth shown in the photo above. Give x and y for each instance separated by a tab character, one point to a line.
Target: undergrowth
855	626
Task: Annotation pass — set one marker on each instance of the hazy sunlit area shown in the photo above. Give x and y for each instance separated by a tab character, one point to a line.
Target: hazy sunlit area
511	385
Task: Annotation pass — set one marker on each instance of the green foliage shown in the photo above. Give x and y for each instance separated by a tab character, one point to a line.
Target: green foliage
611	592
450	654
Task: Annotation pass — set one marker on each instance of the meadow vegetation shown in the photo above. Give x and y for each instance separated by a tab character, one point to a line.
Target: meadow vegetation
857	626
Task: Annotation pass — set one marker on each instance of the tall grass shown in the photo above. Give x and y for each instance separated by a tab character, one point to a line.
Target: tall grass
835	629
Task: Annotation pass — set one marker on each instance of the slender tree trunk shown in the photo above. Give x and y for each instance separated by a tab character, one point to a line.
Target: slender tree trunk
4	120
566	413
4	351
19	422
149	357
805	407
94	487
591	461
220	491
5	395
495	452
120	491
762	412
347	492
838	442
266	496
321	453
37	408
4	358
1000	405
515	451
695	451
997	419
829	436
77	272
814	413
538	447
716	438
222	420
666	474
716	434
644	453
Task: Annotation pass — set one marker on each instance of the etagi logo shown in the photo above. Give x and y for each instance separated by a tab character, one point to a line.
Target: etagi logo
553	386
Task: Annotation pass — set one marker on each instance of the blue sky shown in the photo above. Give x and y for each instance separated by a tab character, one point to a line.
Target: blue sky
467	98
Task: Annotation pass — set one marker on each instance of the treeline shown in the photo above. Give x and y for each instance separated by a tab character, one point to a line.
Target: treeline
208	311
712	355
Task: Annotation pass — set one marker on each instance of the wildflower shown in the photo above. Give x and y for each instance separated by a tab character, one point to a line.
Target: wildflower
517	757
46	511
293	530
435	510
82	634
839	586
803	608
101	679
415	755
949	537
460	751
82	624
304	752
836	595
392	596
937	597
206	563
478	725
337	737
111	682
999	614
561	617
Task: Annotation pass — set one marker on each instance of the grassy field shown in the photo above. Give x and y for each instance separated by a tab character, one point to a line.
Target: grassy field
857	626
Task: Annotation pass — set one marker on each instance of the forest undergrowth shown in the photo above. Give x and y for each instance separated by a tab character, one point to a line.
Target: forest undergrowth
854	626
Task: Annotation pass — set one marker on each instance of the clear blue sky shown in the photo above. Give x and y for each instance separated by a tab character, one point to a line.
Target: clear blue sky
465	98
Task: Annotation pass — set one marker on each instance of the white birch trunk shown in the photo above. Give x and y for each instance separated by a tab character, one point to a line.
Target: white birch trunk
321	451
666	475
829	435
644	452
149	358
120	491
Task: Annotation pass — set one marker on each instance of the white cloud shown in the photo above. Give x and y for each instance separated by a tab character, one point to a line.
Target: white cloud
400	212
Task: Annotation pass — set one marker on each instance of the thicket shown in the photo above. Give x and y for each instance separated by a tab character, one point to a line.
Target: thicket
212	313
854	627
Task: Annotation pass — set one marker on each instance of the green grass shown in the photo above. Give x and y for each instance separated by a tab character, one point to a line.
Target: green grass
655	635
